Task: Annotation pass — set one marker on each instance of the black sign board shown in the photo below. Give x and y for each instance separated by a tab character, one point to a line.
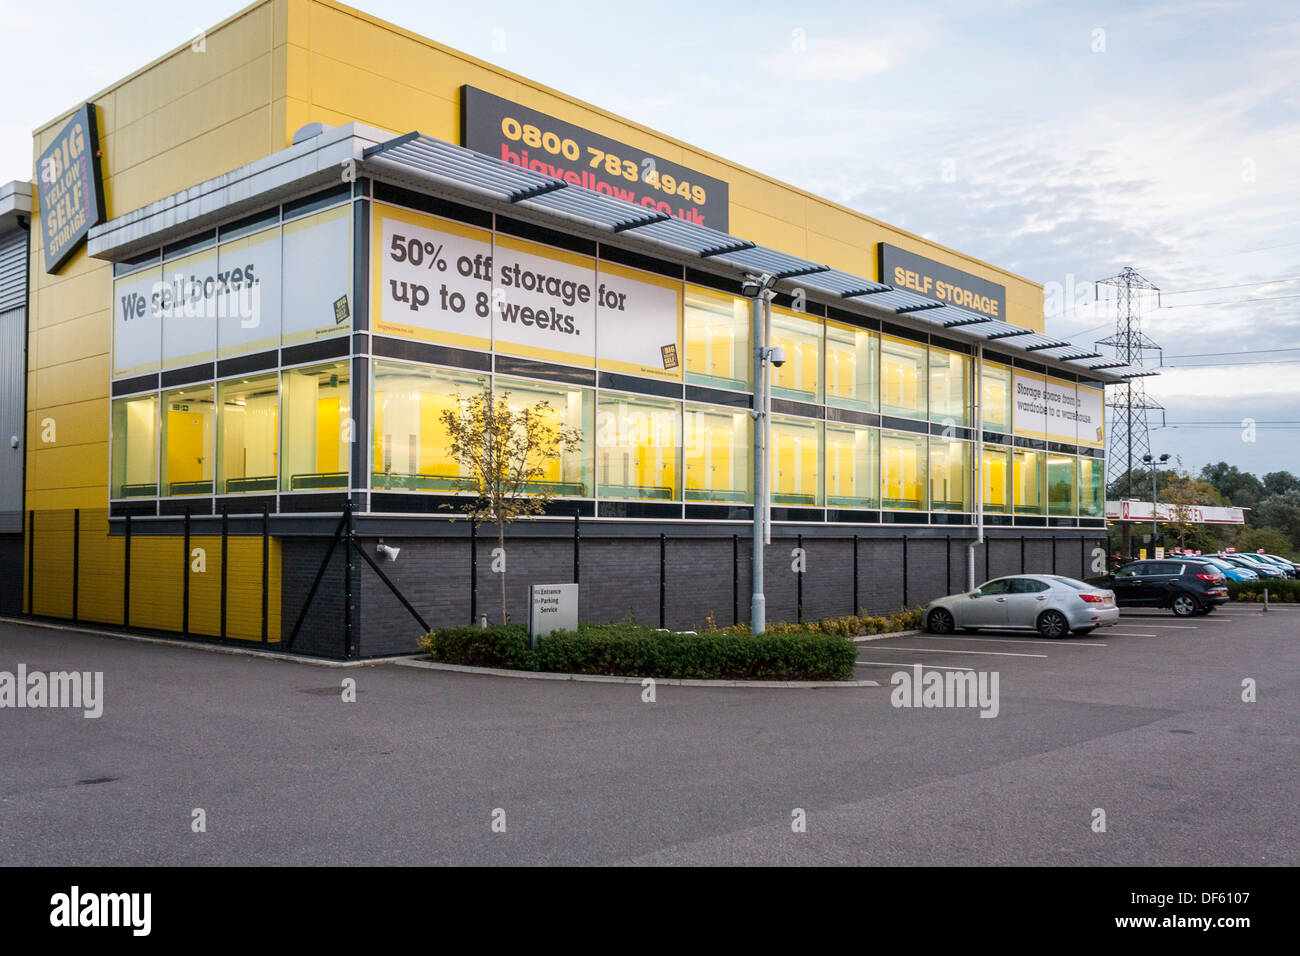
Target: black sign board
907	270
540	142
69	187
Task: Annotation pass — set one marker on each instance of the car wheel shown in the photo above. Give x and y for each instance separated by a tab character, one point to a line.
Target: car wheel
1184	605
939	622
1053	624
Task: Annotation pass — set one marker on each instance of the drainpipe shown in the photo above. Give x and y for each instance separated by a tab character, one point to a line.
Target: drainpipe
978	385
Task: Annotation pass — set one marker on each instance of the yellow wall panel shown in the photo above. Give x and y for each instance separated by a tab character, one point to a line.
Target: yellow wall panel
70	382
156	582
75	424
766	230
70	466
79	338
52	564
99	584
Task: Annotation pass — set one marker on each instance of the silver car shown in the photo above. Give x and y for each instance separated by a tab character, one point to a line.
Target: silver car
1051	604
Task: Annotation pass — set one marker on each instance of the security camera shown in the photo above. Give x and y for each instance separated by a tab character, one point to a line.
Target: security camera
777	355
387	551
753	285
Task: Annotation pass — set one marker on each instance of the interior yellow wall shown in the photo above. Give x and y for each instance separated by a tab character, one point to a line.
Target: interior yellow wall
346	65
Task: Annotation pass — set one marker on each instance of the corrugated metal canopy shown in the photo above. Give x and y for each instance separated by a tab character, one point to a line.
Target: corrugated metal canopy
425	158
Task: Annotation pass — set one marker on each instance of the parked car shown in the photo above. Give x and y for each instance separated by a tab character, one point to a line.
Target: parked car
1186	586
1287	567
1265	569
1051	604
1285	562
1231	571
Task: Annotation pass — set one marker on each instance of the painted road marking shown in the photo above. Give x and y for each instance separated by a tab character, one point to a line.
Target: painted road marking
1132	634
945	667
1063	642
948	650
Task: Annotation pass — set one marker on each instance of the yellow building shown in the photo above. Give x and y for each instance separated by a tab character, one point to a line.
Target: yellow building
284	291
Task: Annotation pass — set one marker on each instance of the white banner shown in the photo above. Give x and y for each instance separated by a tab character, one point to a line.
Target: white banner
1029	405
137	324
431	279
317	276
1092	417
638	323
1062	410
248	312
544	303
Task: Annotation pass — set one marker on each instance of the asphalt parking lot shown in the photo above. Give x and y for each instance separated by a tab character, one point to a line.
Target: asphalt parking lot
1144	721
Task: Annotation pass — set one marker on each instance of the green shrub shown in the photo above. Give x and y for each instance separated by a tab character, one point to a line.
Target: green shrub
637	651
1286	591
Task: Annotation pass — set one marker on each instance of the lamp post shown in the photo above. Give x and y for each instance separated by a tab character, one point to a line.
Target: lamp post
1152	462
759	289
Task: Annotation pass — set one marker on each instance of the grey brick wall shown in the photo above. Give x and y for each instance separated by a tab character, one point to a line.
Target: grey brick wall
619	575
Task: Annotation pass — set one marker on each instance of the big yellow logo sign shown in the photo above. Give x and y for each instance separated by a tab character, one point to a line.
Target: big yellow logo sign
70	187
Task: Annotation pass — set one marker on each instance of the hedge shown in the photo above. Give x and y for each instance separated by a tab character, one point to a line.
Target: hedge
817	650
1284	590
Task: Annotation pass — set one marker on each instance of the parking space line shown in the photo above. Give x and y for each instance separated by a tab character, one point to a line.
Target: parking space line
1176	627
1063	642
943	667
946	650
1132	634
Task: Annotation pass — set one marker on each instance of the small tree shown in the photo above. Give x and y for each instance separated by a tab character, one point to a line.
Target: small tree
503	452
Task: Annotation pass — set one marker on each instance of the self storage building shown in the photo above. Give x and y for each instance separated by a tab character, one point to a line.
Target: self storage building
263	266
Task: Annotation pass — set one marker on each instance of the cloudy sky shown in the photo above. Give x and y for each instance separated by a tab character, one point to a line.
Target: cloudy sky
1061	141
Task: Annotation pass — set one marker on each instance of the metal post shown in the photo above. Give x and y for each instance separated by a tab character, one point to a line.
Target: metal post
225	555
31	562
1053	555
904	572
802	560
1154	507
185	579
266	570
347	583
126	573
977	397
758	600
1265	600
663	567
1022	554
577	542
856	609
735	579
947	554
473	572
1083	558
76	559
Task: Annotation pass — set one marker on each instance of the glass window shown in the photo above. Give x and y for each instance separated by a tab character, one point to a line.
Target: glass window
717	453
189	420
995	393
568	474
135	447
949	391
411	447
999	586
317	424
247	438
638	447
1092	487
1060	484
801	338
852	367
949	475
795	461
902	470
902	378
997	478
1027	481
718	350
852	466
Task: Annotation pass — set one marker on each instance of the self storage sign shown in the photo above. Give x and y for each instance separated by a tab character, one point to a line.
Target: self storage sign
534	140
69	188
907	270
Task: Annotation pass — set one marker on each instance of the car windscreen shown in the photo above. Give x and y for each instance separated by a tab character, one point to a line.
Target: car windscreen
1077	585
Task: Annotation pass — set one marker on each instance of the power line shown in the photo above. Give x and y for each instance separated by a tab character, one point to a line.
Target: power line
1243	252
1243	285
1262	298
1292	348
